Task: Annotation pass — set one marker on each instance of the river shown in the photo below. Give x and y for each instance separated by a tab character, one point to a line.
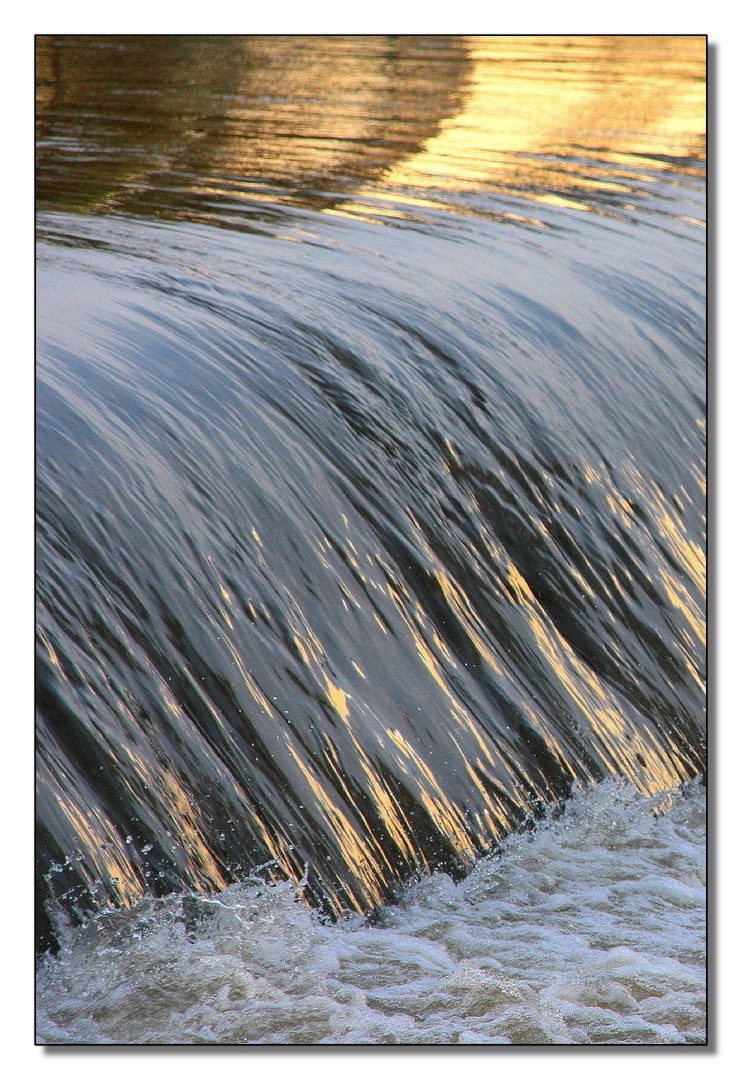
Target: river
371	495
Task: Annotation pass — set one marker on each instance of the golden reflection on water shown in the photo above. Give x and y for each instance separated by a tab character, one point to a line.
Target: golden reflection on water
377	128
561	121
652	766
179	125
629	749
679	550
536	108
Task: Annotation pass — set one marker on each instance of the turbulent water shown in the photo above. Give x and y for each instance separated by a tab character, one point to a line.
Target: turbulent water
589	929
370	490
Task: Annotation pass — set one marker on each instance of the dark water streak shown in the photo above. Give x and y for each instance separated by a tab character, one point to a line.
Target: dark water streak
361	540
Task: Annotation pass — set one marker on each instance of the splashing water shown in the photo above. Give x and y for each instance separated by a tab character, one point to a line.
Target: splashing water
370	490
590	928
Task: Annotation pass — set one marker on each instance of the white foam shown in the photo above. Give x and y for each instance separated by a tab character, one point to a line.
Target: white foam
589	929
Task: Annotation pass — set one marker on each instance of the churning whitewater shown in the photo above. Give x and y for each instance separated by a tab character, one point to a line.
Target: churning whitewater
371	526
590	928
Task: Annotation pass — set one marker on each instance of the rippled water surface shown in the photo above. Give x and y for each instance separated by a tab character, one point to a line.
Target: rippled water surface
370	490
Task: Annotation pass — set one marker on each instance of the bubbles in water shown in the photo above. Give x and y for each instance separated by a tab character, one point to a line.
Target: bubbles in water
588	929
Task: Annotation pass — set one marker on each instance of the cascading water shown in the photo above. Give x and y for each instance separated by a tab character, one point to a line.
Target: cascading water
370	465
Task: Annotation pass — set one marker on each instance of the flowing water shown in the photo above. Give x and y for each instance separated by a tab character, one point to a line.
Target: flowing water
370	491
588	930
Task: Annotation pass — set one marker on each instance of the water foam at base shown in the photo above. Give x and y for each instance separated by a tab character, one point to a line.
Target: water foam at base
589	929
